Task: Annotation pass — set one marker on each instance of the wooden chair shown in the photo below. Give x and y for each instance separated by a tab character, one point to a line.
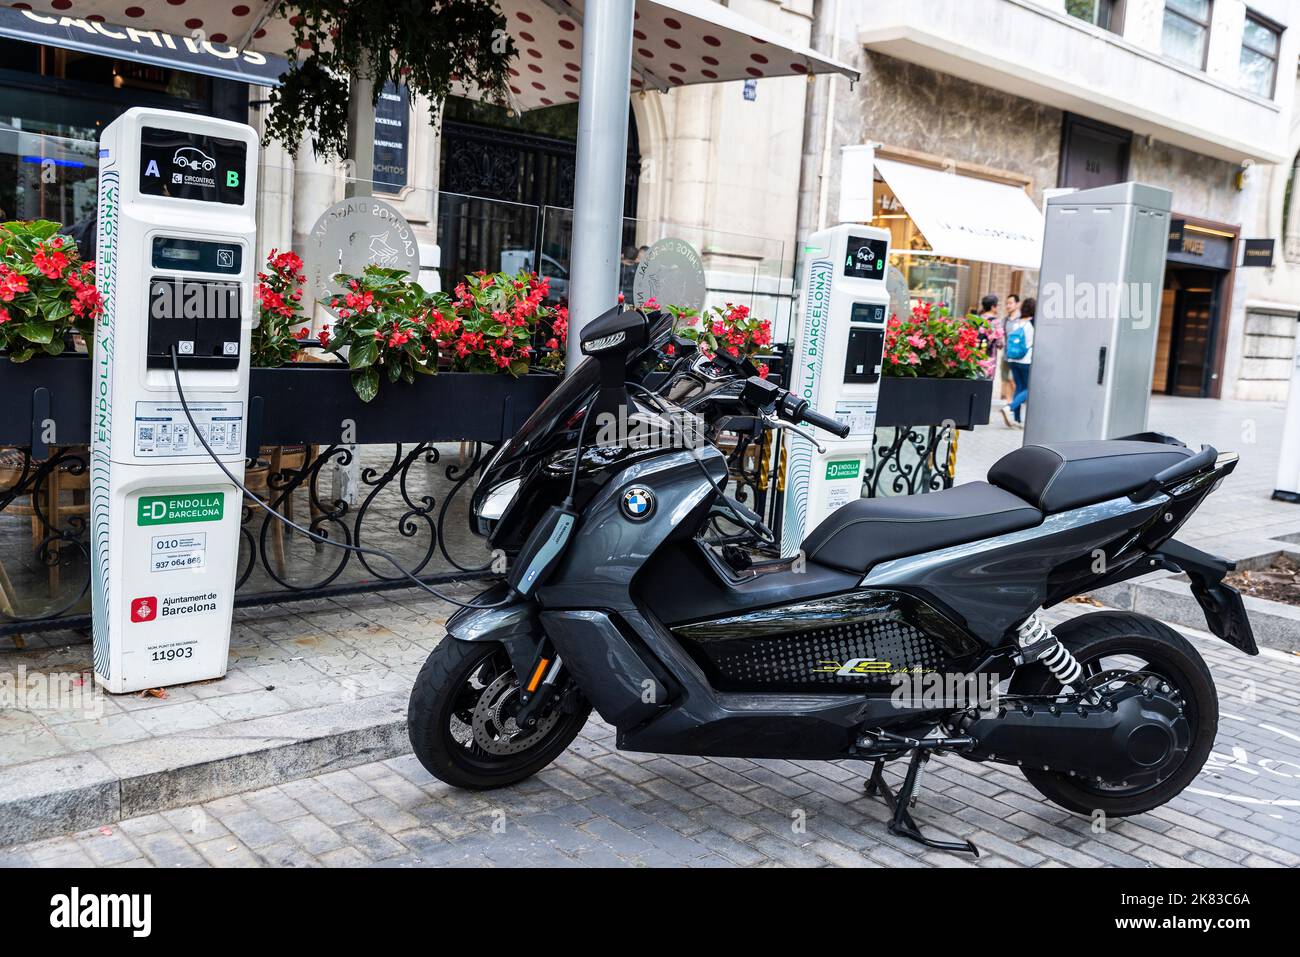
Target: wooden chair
61	495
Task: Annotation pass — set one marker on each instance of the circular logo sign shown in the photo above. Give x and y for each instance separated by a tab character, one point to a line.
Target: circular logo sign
356	233
638	503
671	274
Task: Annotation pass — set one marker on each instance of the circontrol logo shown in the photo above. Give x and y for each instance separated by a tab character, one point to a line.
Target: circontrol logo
144	609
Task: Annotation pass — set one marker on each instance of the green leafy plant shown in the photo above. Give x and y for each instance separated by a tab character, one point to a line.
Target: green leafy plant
388	325
495	319
931	343
278	337
430	45
46	291
556	341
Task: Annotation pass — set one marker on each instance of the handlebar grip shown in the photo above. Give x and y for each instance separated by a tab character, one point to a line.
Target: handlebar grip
833	426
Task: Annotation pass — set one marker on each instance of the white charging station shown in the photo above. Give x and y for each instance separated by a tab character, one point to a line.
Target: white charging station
835	366
176	259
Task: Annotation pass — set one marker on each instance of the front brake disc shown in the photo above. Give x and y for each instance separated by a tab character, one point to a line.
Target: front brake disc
493	722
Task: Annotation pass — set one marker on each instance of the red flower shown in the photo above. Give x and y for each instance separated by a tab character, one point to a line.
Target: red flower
50	263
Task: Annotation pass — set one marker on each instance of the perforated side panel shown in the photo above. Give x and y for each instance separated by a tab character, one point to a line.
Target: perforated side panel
811	658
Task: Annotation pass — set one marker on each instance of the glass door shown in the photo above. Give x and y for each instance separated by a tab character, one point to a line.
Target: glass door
1195	331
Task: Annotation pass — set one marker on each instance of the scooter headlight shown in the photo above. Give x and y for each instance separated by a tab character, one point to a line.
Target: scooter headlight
497	501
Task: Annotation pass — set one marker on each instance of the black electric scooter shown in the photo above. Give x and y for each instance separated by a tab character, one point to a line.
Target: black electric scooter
618	598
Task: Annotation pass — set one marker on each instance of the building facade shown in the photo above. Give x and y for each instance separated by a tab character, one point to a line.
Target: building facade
1024	95
1191	95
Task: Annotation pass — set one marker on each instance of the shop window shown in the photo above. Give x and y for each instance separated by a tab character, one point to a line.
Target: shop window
1186	33
1259	45
1107	14
73	94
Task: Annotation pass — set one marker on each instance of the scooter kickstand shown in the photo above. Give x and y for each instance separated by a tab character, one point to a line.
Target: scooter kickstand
902	822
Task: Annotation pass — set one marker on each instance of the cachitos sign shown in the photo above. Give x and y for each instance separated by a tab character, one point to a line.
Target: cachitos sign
192	54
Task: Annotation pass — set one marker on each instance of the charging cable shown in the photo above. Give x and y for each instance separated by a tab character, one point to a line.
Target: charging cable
357	549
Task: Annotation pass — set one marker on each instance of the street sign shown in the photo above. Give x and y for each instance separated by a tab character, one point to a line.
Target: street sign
1257	252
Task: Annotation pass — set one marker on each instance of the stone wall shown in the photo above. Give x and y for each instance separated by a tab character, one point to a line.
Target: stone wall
903	105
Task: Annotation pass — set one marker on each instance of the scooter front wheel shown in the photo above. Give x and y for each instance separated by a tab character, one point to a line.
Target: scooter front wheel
461	719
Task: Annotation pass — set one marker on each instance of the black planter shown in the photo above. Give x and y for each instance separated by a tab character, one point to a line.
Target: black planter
45	389
907	401
310	402
301	403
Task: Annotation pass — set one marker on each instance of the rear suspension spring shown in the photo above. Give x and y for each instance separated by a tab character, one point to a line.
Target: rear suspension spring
1040	644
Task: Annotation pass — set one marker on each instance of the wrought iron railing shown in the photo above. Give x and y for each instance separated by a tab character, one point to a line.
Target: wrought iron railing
410	498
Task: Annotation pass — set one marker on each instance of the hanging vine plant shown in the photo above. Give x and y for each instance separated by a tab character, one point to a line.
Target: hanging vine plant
430	45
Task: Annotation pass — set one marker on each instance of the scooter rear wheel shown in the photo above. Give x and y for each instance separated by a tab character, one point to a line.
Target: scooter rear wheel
461	719
1100	641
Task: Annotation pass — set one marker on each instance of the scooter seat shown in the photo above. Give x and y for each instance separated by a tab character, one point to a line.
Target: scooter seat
867	531
1067	475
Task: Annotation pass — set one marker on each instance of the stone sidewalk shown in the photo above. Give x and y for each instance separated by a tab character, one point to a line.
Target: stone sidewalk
596	806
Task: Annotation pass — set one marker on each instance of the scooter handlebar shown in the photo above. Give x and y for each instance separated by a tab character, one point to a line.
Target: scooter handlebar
833	426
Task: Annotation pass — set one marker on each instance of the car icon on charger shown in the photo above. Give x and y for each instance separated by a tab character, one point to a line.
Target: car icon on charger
192	157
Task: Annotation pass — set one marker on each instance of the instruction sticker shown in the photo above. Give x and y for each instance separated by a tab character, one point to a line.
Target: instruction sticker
859	416
170	553
162	429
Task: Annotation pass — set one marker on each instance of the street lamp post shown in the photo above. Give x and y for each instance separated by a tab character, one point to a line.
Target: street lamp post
602	158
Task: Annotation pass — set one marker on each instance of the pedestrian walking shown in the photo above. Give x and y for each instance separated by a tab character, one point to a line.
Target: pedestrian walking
991	333
1020	353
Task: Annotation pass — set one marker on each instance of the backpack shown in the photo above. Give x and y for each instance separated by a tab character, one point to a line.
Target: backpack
1017	344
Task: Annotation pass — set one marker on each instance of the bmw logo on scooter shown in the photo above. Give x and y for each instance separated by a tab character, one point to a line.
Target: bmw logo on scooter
638	503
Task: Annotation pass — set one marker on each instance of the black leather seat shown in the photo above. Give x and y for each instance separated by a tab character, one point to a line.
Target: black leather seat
1066	475
867	531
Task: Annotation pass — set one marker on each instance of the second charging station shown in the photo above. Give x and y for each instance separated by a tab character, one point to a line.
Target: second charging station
835	366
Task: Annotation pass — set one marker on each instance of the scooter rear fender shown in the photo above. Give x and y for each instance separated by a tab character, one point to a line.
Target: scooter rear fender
1225	612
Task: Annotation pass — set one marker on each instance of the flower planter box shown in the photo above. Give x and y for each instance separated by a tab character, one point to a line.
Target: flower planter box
301	403
310	402
45	389
908	401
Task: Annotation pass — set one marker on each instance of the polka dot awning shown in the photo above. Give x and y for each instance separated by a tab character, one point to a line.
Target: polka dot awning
675	42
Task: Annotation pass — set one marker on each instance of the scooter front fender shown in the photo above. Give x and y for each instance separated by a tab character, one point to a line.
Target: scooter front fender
515	625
